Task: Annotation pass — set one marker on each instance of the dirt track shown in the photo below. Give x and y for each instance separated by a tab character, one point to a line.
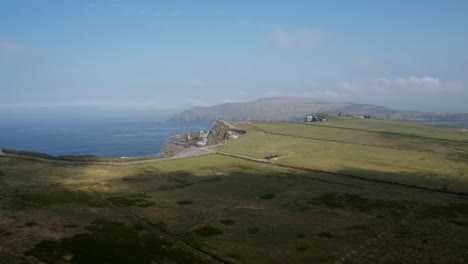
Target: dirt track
187	152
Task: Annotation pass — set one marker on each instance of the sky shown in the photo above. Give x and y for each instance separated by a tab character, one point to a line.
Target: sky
61	56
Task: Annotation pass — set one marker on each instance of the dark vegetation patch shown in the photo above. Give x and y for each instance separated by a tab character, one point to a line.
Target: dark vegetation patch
58	197
184	202
1	173
456	222
267	196
175	186
227	222
355	202
302	248
452	210
122	201
7	234
236	258
208	231
211	179
159	224
253	231
405	232
457	155
325	234
190	240
300	235
70	226
185	180
110	242
138	227
138	195
28	224
271	157
358	227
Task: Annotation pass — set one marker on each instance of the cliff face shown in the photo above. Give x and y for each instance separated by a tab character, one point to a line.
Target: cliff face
173	145
219	132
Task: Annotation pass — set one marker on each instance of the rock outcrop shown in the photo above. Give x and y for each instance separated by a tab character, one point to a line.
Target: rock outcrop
219	132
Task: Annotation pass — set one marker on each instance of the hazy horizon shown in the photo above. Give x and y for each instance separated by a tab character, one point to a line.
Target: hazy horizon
91	58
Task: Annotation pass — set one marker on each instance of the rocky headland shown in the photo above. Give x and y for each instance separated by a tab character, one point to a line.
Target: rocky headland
220	131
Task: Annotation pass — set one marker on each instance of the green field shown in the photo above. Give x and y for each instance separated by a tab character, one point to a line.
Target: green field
421	155
326	198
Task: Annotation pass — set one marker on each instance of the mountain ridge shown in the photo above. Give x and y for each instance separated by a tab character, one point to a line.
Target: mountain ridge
271	108
295	108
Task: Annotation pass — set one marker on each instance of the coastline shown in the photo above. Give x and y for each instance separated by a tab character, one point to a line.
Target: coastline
176	146
108	139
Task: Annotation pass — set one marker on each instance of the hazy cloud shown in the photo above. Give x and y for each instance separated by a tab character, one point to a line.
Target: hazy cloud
152	59
140	105
325	94
13	49
197	102
225	101
301	39
400	86
197	84
274	93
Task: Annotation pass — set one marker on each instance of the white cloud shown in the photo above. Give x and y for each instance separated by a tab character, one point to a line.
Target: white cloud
399	91
294	39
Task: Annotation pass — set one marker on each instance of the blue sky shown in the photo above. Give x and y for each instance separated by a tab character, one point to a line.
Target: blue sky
160	56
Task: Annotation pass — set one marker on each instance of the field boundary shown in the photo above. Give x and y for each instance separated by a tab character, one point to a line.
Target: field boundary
353	143
350	176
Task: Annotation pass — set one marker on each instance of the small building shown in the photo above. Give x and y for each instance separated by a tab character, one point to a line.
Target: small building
202	139
314	118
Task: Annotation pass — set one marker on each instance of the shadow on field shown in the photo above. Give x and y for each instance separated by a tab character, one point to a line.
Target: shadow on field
194	196
105	240
428	182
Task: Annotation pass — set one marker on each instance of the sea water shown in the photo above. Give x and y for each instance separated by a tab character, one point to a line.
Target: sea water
102	138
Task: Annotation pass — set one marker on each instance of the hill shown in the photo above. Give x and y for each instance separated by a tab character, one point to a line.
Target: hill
340	191
295	108
277	108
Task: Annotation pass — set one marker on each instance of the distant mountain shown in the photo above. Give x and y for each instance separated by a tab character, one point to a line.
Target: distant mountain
278	108
295	108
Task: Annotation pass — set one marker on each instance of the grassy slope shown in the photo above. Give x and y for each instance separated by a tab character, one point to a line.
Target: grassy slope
419	155
233	209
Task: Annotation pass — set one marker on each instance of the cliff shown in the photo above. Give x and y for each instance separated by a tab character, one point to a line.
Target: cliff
219	132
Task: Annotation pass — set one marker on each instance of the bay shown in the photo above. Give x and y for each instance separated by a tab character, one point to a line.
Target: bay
102	138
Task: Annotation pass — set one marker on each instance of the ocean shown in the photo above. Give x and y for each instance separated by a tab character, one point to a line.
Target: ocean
102	138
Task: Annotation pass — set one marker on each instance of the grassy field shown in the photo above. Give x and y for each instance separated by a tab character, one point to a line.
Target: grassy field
221	209
430	157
